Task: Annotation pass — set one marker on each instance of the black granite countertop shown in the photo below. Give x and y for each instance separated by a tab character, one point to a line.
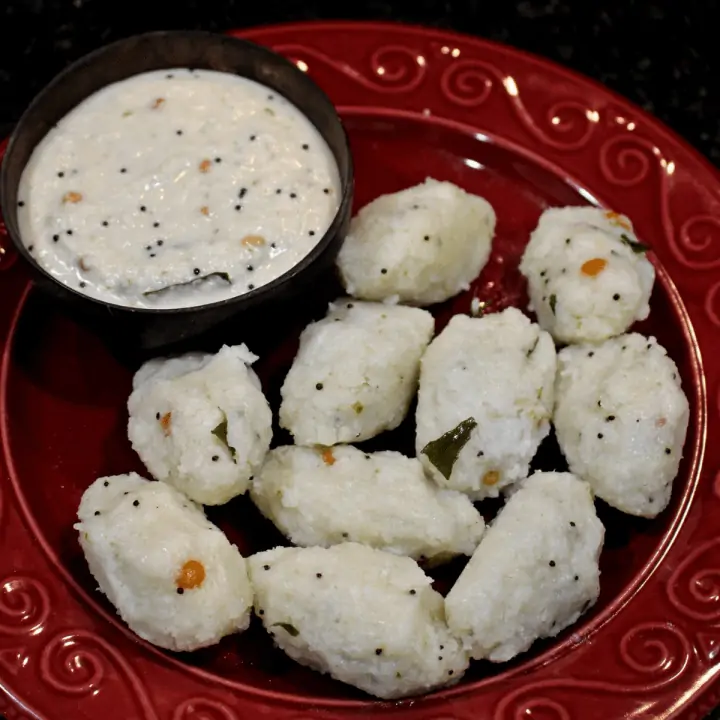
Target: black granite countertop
662	55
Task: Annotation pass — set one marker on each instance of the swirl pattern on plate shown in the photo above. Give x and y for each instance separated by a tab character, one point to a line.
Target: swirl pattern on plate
627	160
657	653
654	661
469	83
24	606
393	68
203	708
77	663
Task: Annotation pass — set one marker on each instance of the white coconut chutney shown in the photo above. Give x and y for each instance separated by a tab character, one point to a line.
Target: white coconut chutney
177	188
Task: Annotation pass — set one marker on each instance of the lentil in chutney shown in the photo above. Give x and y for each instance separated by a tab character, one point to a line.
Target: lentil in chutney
177	188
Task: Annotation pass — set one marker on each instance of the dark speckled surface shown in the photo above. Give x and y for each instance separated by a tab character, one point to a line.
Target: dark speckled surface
662	54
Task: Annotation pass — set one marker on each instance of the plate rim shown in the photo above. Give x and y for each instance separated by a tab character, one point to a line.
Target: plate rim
657	126
425	30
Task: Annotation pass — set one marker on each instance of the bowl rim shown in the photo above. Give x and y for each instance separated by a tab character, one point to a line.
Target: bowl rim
252	297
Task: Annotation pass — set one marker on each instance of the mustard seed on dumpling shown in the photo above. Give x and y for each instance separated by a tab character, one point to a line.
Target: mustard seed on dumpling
588	276
621	418
201	422
534	573
384	500
366	617
419	246
355	373
485	401
173	577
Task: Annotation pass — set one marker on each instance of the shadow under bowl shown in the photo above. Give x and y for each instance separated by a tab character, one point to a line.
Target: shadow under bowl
148	330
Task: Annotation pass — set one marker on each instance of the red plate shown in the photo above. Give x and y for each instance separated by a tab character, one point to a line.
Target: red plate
525	134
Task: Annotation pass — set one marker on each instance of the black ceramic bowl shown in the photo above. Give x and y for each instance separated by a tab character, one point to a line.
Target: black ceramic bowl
154	329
